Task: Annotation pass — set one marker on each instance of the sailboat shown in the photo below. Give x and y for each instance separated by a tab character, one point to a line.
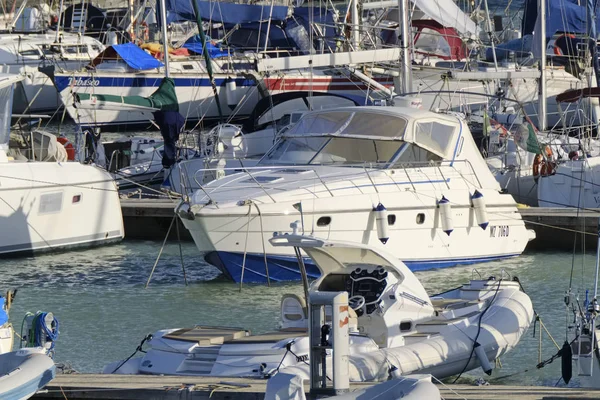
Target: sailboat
239	78
29	45
51	205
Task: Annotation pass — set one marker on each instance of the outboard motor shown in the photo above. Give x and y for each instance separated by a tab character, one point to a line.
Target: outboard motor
41	330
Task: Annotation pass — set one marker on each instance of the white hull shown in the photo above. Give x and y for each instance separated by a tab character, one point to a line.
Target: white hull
52	206
575	184
24	54
460	95
352	219
194	94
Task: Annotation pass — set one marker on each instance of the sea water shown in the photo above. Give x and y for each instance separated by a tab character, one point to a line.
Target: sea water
104	310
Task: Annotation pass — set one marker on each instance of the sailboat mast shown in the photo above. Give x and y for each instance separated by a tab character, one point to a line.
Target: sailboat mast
597	264
163	22
542	95
405	63
60	11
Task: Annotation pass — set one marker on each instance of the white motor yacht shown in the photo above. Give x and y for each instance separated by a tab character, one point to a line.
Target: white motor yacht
410	181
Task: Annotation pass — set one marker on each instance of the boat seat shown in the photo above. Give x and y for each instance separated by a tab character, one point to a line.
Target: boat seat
271	337
207	335
294	313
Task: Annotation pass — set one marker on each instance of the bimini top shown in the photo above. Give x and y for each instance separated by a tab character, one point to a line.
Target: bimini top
437	133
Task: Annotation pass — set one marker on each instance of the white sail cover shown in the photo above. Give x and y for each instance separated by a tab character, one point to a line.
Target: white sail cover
447	13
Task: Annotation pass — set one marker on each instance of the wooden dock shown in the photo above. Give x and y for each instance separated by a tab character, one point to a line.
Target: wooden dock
146	387
555	228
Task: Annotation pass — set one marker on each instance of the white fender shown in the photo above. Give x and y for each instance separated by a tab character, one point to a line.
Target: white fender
230	93
381	220
480	209
446	215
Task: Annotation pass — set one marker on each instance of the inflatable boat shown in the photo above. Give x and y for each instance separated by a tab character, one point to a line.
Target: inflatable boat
394	324
24	372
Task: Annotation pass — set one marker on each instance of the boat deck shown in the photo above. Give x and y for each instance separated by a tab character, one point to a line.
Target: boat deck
128	387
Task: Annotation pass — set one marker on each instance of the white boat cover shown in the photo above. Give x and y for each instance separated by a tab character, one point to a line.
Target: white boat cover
447	13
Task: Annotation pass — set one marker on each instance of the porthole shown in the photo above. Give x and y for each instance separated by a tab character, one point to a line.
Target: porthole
323	221
391	219
420	218
405	326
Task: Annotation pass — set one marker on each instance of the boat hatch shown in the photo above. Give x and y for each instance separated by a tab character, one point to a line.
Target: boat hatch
263	179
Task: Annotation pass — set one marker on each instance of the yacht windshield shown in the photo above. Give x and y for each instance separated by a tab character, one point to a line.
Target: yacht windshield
340	137
294	150
331	150
356	151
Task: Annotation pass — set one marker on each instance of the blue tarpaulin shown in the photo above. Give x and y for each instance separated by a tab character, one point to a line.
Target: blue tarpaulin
195	44
135	57
3	314
227	13
561	16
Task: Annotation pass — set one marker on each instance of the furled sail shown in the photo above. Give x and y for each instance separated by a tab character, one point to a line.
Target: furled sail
163	99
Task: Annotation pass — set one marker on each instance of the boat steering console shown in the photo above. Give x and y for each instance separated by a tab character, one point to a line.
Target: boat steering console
365	289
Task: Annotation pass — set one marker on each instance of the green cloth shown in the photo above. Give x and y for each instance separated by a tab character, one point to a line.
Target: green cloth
163	99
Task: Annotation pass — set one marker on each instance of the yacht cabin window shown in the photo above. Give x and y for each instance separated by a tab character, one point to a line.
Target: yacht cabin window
435	136
411	154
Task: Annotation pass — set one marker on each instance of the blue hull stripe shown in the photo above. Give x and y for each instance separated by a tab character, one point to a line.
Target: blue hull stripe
283	268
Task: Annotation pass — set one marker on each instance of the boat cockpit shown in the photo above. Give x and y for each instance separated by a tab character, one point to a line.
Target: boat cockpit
383	292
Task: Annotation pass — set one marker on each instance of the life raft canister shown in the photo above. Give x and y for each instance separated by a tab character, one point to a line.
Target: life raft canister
68	147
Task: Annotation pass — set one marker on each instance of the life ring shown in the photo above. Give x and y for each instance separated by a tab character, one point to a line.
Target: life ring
557	50
68	147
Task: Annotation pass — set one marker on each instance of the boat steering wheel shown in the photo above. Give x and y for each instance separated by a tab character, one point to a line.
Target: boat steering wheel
356	302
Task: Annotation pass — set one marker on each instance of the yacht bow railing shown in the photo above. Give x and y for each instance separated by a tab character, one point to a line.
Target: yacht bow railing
367	168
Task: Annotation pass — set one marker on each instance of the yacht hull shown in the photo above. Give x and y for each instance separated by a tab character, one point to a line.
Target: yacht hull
194	93
52	206
237	244
251	268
